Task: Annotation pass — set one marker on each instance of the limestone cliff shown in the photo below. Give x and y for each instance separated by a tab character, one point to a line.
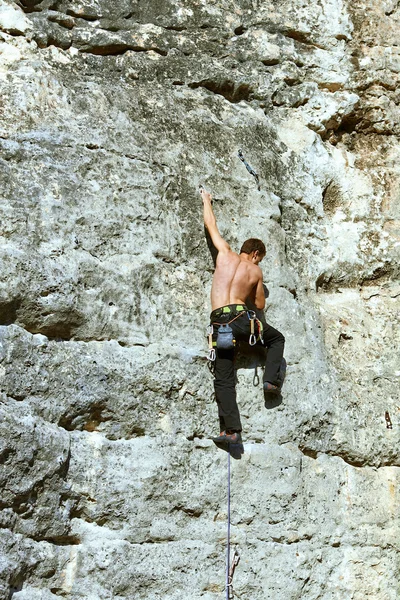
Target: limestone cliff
112	114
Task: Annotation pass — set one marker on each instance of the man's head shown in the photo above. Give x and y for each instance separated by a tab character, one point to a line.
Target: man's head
255	248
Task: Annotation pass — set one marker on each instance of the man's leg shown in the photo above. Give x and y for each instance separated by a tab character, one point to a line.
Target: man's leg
225	391
275	342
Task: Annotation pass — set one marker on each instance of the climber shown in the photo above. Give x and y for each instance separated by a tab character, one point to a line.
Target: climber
237	278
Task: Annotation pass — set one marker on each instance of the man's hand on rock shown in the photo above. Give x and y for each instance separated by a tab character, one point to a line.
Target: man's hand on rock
206	196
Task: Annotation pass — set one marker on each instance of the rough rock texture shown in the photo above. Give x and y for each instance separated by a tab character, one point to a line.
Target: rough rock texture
112	114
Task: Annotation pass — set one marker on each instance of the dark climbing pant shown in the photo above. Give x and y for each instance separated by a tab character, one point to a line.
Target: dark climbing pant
225	382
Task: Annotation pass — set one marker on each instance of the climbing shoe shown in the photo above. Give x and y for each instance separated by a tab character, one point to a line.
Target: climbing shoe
228	438
270	387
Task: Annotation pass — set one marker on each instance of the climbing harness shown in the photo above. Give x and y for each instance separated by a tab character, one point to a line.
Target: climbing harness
230	566
249	168
225	339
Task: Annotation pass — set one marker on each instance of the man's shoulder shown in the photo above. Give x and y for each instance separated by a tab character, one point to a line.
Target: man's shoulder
228	255
257	271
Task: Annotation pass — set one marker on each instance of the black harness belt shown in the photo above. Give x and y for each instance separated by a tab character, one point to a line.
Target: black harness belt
230	309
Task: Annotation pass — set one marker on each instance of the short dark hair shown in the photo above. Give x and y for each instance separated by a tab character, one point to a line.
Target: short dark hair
252	245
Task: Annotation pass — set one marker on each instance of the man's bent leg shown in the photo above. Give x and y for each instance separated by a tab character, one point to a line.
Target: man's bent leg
225	391
275	342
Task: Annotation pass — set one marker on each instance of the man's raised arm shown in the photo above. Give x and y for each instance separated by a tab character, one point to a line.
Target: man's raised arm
211	224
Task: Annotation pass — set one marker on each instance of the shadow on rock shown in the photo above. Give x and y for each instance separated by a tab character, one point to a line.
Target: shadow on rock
272	400
251	358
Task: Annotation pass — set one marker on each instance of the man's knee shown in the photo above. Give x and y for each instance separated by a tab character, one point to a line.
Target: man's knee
225	385
274	338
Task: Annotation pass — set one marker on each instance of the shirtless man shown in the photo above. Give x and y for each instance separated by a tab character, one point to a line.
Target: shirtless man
237	278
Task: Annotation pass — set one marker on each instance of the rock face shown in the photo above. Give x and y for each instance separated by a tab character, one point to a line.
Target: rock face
112	114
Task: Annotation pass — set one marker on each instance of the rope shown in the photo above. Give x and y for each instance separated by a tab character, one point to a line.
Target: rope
228	545
230	567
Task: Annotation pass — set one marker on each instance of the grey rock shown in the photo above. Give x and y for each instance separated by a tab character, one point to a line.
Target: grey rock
12	19
112	115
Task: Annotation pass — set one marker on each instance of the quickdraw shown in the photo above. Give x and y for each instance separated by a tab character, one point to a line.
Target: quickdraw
234	564
250	169
211	349
252	317
253	339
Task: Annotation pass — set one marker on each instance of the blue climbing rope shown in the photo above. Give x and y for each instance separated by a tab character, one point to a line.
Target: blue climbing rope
228	545
230	566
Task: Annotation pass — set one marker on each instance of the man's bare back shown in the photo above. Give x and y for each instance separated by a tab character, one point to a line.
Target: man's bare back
237	276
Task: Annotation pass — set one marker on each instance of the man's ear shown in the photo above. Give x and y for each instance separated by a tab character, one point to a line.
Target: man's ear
255	254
